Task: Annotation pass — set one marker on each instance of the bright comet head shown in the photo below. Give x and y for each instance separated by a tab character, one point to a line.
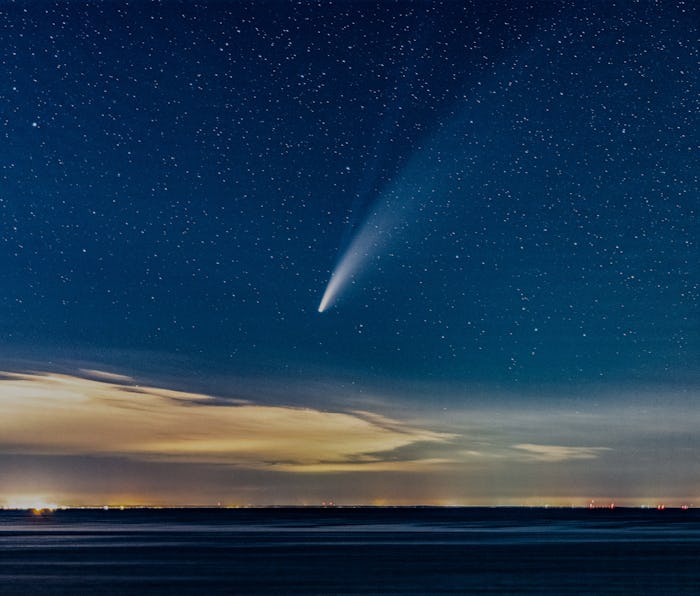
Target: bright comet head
325	300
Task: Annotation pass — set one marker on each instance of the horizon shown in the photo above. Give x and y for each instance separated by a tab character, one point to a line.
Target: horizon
45	509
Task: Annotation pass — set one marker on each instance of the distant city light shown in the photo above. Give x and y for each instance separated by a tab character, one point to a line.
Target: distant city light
36	504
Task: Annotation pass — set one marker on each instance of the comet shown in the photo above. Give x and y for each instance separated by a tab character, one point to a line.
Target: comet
426	178
384	224
368	241
371	235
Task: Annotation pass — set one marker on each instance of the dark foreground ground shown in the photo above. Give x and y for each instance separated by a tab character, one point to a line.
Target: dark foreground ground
350	551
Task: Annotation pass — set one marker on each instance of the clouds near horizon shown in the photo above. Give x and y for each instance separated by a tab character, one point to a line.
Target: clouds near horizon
110	415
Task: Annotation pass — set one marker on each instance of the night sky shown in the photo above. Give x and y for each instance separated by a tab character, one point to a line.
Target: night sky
502	195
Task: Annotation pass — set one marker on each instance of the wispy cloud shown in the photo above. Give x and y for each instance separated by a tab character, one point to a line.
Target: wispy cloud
105	376
105	415
557	453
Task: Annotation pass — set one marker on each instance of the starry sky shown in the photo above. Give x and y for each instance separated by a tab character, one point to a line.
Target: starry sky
501	196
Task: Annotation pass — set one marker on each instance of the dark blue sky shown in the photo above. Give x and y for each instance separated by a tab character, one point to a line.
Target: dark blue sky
179	180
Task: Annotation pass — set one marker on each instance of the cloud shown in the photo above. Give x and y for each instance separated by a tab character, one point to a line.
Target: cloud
104	415
371	464
105	376
557	453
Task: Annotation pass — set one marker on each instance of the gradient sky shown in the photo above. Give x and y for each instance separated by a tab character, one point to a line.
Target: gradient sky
505	193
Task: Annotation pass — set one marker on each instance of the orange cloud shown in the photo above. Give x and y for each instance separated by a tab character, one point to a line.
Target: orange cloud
105	415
